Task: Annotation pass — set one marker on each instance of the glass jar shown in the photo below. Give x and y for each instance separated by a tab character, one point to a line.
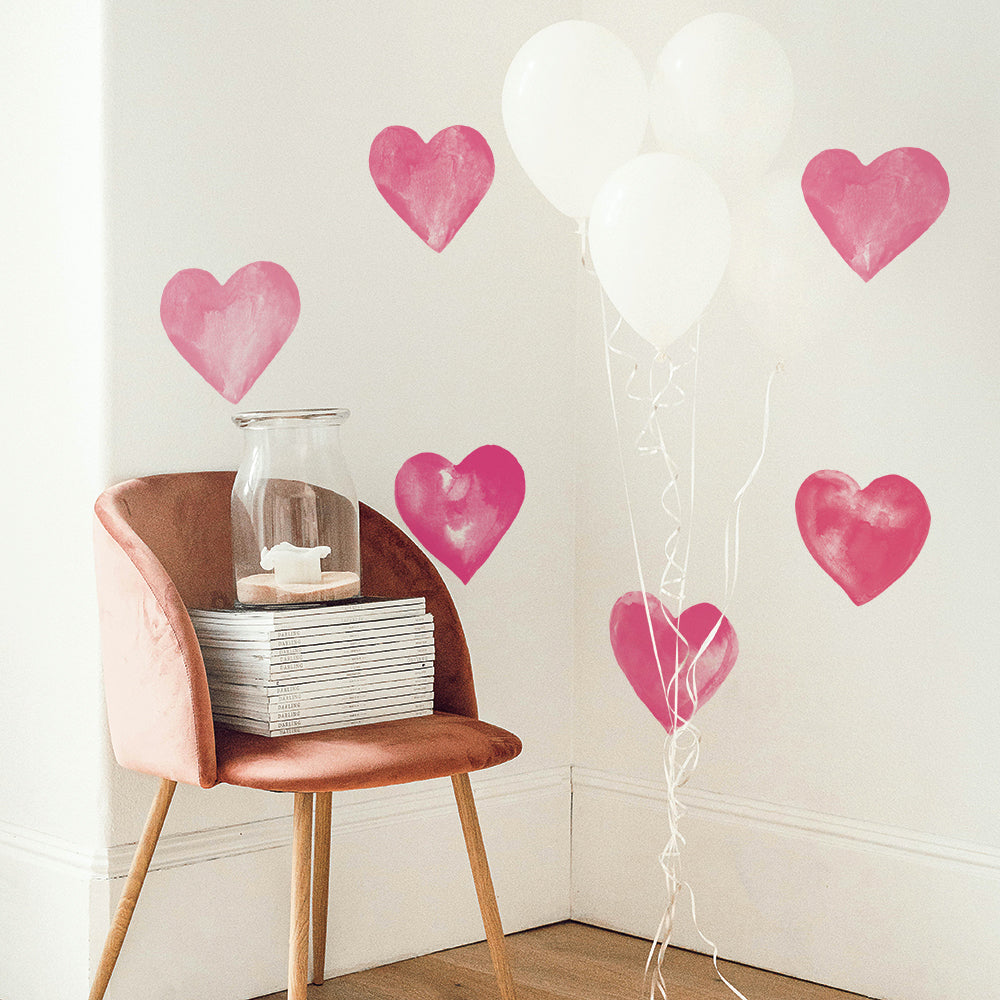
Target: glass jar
294	510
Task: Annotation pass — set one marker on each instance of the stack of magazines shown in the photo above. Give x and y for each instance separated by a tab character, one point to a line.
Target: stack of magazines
300	669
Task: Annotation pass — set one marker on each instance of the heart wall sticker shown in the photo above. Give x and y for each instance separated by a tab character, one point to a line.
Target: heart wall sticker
865	539
230	333
690	674
434	186
873	213
460	512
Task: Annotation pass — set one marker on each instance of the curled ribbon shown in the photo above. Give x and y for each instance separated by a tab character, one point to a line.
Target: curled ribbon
682	746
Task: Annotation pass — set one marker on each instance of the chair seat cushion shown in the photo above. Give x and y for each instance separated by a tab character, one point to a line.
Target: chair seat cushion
369	756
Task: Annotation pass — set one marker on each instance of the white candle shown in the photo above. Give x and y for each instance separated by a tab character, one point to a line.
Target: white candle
294	563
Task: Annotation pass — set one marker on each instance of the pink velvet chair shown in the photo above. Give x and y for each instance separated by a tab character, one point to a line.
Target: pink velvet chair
162	544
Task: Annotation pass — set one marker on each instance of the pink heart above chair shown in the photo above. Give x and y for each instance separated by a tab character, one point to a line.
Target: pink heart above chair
230	333
691	657
865	539
460	512
435	186
872	213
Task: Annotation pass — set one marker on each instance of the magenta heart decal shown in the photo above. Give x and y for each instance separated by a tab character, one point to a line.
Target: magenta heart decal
230	333
865	538
696	653
435	186
460	512
873	213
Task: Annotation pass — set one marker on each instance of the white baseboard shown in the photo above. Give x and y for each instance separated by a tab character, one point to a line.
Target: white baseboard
212	921
44	914
883	912
879	911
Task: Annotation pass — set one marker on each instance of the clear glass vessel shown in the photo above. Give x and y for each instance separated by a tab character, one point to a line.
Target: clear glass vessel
294	510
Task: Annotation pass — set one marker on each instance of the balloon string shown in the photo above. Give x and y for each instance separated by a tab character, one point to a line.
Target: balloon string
732	530
694	409
608	335
581	231
733	519
676	773
682	745
675	571
686	743
650	442
680	757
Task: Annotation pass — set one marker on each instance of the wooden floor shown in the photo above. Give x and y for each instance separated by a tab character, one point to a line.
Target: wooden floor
567	961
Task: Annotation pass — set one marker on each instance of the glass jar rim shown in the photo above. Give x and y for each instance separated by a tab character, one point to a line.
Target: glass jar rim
259	418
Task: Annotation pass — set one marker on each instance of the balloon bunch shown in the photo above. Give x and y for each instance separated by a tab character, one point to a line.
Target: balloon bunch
577	108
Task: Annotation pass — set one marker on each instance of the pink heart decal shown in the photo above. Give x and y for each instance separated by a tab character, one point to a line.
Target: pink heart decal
230	333
864	539
691	674
433	187
460	512
872	213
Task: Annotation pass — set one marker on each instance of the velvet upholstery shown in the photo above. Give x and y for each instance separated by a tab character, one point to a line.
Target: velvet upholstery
382	753
159	710
163	544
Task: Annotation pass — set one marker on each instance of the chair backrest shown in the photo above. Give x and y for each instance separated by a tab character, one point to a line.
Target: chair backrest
163	544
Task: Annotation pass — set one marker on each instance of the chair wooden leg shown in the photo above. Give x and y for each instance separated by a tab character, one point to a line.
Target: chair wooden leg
298	936
133	886
484	884
320	881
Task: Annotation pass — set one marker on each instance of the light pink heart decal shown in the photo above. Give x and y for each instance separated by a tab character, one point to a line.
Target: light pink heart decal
872	213
230	333
433	187
867	538
690	674
460	512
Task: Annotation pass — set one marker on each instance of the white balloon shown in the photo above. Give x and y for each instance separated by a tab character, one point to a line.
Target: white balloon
659	241
722	94
575	106
785	281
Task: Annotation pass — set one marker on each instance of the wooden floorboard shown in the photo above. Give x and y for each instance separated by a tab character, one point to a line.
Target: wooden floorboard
567	961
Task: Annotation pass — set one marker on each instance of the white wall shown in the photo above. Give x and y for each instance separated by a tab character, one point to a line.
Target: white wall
847	763
51	283
52	278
